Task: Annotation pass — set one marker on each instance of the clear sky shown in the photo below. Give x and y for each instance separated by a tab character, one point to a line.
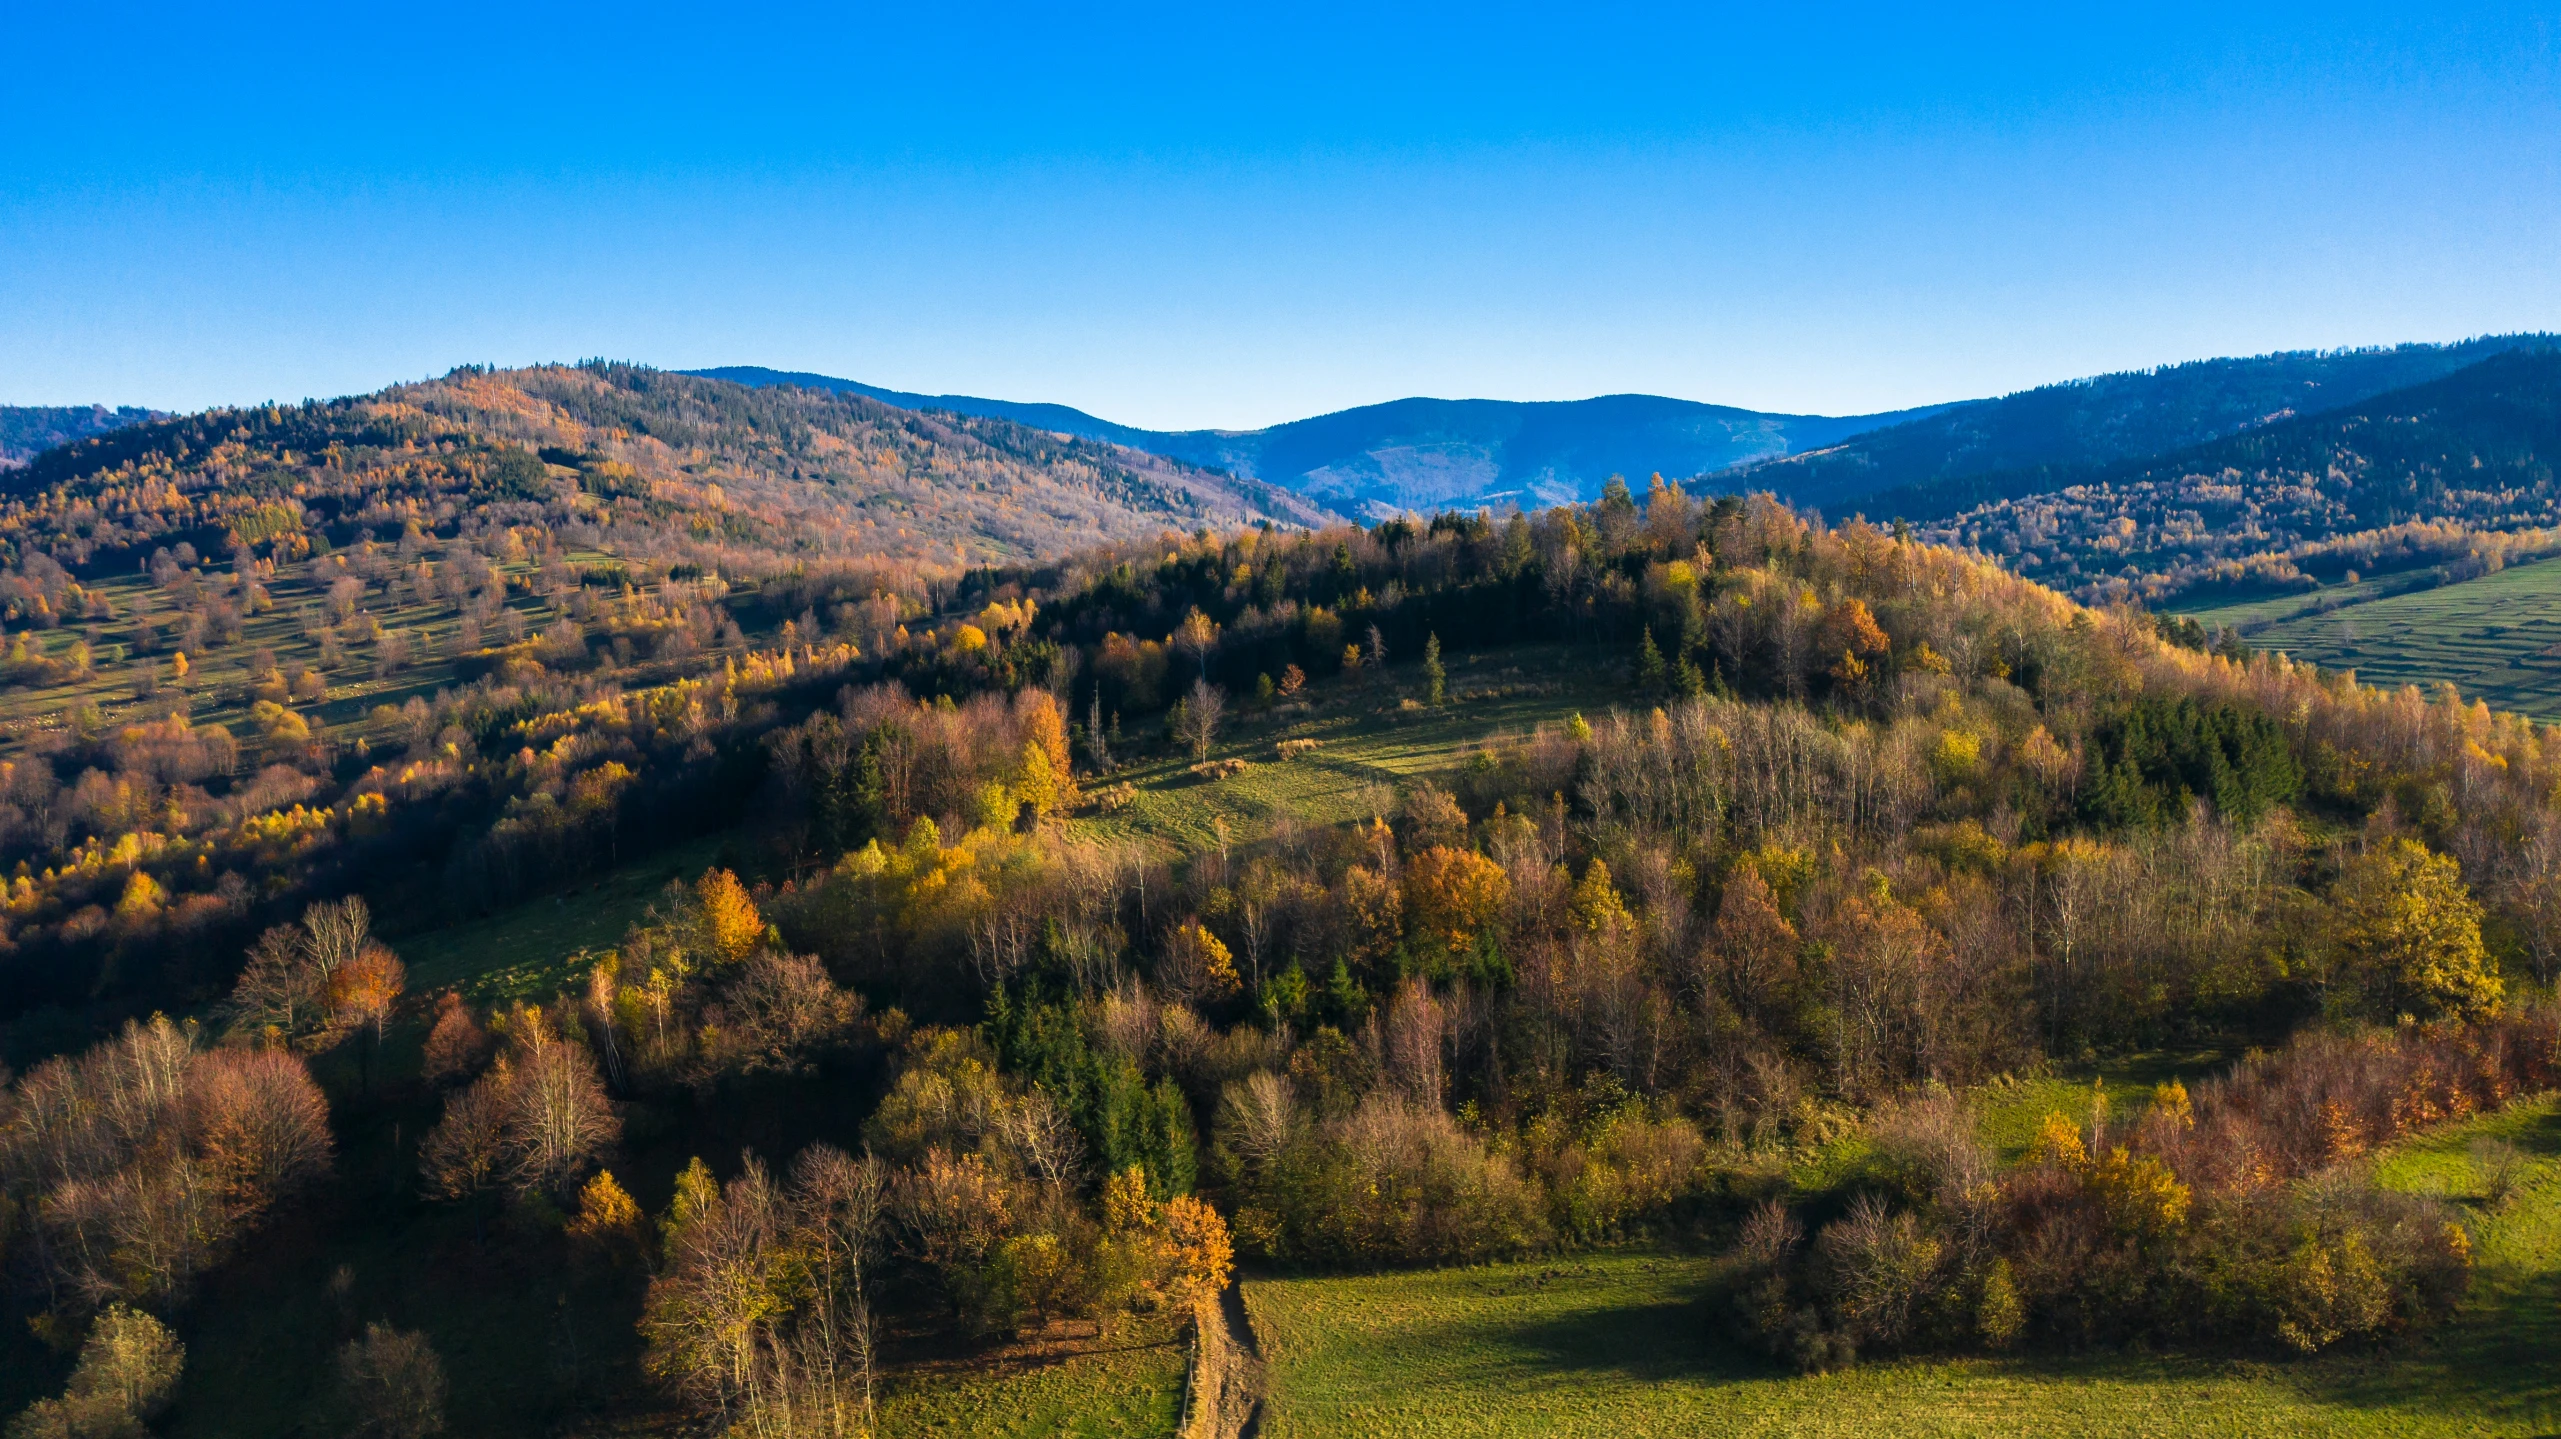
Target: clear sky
1215	214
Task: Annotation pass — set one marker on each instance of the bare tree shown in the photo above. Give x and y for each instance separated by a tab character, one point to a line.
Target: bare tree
535	1123
1203	709
392	1384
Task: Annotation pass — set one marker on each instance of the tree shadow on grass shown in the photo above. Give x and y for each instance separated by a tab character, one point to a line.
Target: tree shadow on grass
2490	1366
1673	1335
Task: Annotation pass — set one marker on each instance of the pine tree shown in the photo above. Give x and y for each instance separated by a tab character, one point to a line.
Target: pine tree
1435	678
1649	665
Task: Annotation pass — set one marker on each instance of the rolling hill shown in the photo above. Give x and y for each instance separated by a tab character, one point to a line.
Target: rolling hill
1424	454
2472	450
1931	465
28	430
641	457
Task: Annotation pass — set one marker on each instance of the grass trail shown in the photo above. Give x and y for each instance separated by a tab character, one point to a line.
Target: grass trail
1127	1388
530	950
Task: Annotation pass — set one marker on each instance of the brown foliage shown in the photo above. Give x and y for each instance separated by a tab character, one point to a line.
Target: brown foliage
145	1159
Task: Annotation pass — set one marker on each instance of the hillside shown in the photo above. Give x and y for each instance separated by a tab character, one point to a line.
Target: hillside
1420	455
28	430
1937	464
2473	450
633	456
242	614
1033	945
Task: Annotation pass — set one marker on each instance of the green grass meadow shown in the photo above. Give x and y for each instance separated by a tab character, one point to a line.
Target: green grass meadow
1368	745
1630	1344
1128	1386
2496	638
531	951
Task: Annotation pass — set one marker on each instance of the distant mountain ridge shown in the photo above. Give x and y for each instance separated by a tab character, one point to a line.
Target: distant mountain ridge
1423	454
1426	454
643	461
27	431
1905	469
2475	449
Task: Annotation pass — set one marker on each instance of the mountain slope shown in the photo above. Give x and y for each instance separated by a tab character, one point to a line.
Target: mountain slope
2475	448
1061	419
638	459
28	430
2102	419
1422	454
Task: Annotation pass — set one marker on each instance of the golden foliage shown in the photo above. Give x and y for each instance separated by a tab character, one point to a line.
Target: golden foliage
1452	895
731	925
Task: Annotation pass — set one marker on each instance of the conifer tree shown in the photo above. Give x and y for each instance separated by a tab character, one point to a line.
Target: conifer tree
1649	665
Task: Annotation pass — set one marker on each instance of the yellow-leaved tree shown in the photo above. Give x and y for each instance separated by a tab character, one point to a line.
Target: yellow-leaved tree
2405	937
731	926
1452	896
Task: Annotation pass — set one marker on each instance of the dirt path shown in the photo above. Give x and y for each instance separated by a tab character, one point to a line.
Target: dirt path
1240	1328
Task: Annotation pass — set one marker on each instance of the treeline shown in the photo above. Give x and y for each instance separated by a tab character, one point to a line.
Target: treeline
2470	449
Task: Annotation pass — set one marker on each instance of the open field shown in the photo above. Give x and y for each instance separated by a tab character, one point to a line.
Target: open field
1121	1388
2496	638
531	950
1630	1344
147	628
1367	745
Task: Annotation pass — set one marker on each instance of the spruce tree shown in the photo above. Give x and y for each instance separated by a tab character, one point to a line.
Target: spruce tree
1649	665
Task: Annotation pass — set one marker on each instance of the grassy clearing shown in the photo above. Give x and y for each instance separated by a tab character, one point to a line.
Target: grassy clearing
2496	638
1128	1386
1629	1345
531	950
1368	746
219	684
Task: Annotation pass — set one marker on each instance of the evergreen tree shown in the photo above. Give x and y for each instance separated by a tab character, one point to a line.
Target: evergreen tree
1649	665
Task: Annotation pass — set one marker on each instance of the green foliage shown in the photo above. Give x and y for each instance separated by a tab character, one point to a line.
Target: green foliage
2157	756
1124	1119
516	474
1650	674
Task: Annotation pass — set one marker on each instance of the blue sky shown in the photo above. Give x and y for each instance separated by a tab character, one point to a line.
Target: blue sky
1226	215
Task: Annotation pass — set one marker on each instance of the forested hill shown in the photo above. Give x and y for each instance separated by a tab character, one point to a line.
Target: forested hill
1941	463
2474	450
1418	455
637	459
1063	419
28	430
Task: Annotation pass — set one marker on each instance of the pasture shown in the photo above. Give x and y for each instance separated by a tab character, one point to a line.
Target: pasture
2497	638
1631	1344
